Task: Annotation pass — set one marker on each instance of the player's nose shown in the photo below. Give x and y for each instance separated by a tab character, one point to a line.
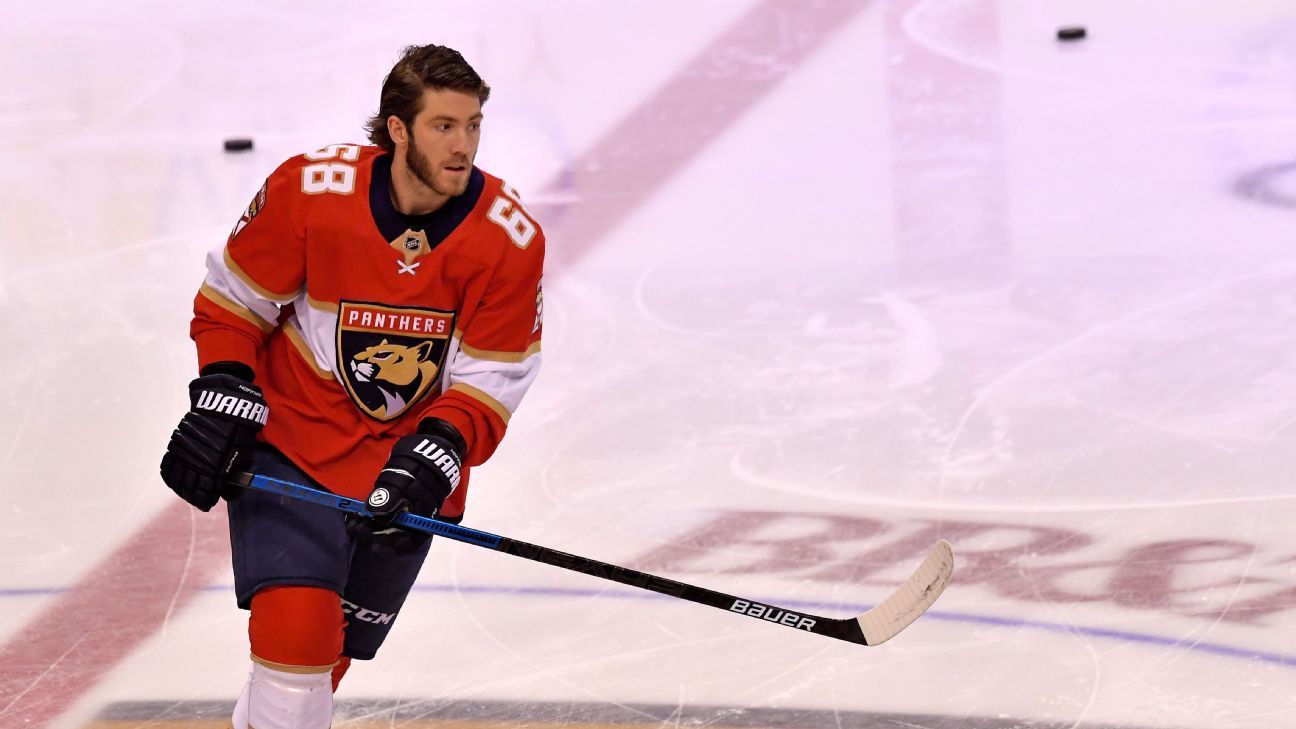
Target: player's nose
460	143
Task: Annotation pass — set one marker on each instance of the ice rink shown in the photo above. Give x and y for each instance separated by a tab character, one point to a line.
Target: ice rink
827	280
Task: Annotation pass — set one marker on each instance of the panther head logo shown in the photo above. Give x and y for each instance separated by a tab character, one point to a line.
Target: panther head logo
388	376
390	357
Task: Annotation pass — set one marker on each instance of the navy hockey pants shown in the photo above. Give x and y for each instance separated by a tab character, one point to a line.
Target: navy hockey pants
276	540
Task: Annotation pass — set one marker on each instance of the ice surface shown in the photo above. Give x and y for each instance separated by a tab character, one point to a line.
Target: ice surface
827	282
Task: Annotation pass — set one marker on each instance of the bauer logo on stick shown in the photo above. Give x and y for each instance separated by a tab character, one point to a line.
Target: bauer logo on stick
772	614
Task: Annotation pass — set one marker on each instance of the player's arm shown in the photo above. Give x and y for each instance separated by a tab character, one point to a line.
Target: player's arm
497	358
261	267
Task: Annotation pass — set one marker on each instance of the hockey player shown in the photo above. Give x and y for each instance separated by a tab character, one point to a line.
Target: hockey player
369	326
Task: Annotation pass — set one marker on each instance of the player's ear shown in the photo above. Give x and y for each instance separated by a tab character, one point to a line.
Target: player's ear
396	130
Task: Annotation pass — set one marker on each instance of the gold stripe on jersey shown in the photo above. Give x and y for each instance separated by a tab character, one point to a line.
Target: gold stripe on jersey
318	305
238	310
483	398
489	356
284	667
247	280
303	349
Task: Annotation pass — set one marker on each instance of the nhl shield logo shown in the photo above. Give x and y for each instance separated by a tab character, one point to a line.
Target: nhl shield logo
390	357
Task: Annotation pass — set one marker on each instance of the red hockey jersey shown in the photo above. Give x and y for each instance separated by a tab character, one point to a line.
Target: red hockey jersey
360	321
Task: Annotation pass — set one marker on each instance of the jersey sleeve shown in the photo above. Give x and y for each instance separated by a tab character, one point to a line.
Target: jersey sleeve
498	353
259	268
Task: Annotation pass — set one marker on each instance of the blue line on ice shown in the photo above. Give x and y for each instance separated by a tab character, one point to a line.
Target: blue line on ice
1121	635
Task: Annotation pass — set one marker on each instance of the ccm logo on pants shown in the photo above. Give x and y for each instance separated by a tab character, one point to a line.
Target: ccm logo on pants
365	615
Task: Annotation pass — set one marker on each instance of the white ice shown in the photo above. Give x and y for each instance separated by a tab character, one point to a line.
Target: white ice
946	277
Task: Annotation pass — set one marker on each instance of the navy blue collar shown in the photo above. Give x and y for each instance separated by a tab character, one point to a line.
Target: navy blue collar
437	224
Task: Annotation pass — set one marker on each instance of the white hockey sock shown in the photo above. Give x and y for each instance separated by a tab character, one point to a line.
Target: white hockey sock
275	698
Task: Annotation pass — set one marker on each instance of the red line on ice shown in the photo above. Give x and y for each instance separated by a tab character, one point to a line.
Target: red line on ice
125	598
72	643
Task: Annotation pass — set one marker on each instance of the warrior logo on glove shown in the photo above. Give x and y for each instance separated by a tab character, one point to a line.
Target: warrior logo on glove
390	357
444	460
233	405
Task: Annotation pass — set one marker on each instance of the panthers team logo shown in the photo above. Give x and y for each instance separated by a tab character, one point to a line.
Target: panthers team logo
256	206
391	357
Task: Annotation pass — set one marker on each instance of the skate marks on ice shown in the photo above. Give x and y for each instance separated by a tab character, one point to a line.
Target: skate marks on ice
1234	587
471	714
1100	384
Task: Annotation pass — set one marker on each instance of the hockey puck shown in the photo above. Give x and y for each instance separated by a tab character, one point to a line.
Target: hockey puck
1071	33
238	144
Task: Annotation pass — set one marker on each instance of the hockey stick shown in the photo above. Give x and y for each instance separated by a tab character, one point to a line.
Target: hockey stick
877	625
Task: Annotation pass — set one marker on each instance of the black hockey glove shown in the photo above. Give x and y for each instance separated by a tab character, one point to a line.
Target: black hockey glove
420	473
215	438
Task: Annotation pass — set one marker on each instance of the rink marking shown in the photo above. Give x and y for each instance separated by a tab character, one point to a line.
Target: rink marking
1089	631
93	625
471	713
106	615
433	724
711	92
1217	649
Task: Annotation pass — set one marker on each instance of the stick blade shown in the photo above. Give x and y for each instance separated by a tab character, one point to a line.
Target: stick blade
913	598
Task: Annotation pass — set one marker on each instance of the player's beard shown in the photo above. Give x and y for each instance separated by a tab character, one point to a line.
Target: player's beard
418	164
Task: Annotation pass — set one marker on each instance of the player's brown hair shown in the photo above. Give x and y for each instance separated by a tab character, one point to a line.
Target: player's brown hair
419	68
